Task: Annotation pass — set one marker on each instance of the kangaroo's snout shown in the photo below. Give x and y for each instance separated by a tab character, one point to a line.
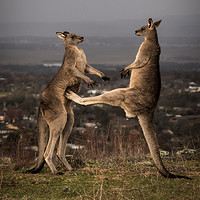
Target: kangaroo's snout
80	38
137	32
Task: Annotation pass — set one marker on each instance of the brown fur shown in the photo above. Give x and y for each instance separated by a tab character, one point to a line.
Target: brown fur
141	97
55	112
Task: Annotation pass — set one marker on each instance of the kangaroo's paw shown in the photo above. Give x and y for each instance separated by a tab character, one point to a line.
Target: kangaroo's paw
74	97
105	78
124	72
70	94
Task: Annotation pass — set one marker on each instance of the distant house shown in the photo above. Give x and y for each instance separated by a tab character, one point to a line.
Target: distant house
2	119
6	129
90	125
193	87
182	110
12	127
177	118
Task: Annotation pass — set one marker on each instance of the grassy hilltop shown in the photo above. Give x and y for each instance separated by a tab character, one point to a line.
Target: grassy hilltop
111	180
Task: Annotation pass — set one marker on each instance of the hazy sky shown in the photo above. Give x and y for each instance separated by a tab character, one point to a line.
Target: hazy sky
92	10
97	17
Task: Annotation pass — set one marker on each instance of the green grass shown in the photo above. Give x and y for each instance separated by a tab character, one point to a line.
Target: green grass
103	180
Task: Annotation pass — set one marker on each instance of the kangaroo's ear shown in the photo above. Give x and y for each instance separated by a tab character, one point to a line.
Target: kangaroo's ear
150	23
156	24
60	35
66	33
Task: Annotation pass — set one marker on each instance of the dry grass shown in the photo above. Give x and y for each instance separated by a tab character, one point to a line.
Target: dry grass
113	165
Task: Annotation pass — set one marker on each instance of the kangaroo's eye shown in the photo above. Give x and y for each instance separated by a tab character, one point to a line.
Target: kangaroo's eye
73	37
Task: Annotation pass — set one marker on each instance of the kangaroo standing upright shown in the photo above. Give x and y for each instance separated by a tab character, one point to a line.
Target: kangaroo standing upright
141	97
55	112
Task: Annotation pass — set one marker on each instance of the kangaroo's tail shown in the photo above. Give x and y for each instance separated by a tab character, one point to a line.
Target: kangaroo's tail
146	122
42	143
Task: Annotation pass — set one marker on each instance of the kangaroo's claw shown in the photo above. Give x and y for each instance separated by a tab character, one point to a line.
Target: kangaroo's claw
105	78
124	73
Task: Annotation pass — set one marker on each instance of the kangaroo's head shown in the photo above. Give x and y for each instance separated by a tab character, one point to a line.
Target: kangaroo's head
70	38
148	31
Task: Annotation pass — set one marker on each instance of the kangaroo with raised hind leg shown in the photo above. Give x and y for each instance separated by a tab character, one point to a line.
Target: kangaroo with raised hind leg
141	97
55	112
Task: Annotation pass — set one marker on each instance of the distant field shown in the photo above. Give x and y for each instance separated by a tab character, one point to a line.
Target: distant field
112	51
94	56
103	180
4	94
30	57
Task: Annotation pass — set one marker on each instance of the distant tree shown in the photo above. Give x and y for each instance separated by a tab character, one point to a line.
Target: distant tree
161	120
15	114
29	105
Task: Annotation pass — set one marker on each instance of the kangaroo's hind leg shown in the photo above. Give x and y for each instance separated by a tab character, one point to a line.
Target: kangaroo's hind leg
146	122
64	137
42	143
55	130
114	97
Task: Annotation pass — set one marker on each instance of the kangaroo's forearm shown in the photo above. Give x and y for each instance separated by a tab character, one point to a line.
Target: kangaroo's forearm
80	75
91	70
135	65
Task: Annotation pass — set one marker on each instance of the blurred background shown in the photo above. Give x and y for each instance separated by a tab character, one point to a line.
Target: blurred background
31	54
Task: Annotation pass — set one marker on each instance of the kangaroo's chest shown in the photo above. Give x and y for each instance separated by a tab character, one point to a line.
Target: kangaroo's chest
81	61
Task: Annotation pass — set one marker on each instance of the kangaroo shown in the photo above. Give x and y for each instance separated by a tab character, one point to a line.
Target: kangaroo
55	111
141	97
